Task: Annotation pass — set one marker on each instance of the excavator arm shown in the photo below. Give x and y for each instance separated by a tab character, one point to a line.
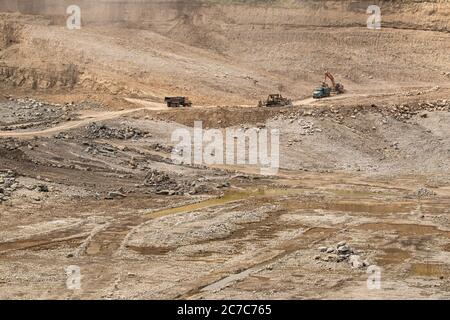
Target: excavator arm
330	76
337	87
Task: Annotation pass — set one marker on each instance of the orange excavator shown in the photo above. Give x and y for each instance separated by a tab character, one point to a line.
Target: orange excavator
325	90
337	87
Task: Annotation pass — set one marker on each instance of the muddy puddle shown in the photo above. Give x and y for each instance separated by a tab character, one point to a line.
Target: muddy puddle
228	197
364	206
429	270
157	251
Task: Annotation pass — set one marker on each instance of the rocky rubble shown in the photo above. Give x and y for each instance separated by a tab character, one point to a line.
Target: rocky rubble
26	113
8	184
342	253
11	144
63	136
401	112
95	148
161	147
406	112
115	195
100	131
305	127
164	184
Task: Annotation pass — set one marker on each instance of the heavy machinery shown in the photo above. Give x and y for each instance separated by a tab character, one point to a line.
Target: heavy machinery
325	90
178	102
275	100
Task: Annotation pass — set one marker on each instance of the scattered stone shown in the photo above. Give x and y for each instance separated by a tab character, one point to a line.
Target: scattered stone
424	193
344	249
342	252
340	244
355	261
8	184
225	184
165	184
115	195
161	147
96	131
42	188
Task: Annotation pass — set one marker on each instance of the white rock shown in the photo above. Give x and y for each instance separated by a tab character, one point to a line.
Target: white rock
342	243
344	249
355	261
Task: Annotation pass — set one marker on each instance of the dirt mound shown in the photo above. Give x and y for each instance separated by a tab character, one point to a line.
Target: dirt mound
96	131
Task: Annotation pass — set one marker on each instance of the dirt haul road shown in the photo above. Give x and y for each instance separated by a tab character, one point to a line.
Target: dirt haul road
84	119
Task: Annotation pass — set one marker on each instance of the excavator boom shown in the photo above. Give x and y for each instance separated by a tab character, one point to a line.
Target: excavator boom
330	76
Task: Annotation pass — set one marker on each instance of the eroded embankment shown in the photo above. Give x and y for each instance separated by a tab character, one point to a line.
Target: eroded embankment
420	15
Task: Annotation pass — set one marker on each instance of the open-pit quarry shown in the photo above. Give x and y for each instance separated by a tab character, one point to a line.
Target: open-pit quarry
93	205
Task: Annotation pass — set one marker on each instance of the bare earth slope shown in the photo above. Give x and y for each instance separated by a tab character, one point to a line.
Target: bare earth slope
225	54
86	171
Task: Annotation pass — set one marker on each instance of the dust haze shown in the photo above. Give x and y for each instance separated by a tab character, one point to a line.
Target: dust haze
104	11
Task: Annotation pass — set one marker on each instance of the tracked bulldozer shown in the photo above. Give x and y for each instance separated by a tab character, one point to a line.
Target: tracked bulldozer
275	100
325	90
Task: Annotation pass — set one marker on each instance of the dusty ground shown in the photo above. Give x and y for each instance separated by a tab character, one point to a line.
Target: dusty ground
86	176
